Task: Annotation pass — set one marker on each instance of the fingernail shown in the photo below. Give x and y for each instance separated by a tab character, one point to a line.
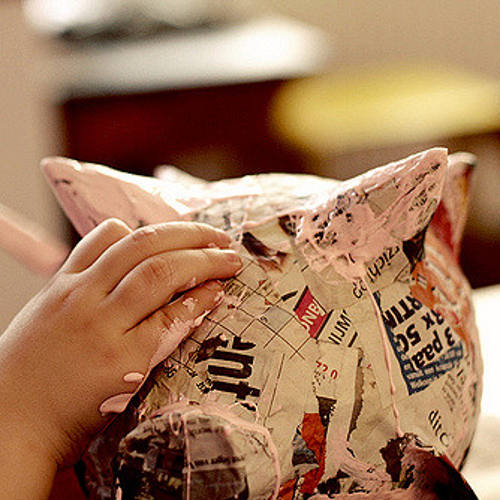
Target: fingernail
223	240
213	285
232	256
219	298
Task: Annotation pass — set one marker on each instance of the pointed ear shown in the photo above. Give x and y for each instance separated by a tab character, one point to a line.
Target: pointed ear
449	221
90	194
406	193
362	217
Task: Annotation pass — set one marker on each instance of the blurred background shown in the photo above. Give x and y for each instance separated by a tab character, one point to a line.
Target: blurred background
222	88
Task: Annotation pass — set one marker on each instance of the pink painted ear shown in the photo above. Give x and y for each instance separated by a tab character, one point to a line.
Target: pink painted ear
90	194
450	218
365	215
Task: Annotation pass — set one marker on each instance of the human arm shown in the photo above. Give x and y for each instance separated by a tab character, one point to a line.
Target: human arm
107	313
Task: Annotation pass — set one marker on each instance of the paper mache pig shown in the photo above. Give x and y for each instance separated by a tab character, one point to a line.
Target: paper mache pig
344	361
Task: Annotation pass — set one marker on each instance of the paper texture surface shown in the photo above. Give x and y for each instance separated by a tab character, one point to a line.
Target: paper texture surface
297	348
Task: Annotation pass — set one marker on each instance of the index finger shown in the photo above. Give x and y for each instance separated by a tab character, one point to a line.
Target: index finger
127	253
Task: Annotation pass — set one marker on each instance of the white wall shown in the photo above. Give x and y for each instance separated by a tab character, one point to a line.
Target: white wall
28	124
462	32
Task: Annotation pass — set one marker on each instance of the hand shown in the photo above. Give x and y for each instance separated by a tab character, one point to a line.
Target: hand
106	315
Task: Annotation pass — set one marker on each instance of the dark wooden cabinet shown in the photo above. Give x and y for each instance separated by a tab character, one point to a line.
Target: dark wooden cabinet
212	132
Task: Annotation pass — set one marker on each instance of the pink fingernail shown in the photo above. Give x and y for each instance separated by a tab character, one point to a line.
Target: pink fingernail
232	256
224	240
213	285
219	298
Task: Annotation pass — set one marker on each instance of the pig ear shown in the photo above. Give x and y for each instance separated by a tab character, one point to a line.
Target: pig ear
404	195
449	221
365	215
90	194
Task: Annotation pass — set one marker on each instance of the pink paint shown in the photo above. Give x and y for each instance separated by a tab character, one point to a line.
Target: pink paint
341	458
191	283
119	494
115	404
118	403
226	414
133	377
169	341
190	303
387	357
219	297
333	232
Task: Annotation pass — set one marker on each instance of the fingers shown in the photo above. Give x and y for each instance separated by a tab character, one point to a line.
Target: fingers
122	257
161	333
94	244
154	282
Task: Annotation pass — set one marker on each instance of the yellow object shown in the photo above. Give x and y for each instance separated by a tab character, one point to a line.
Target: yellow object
385	106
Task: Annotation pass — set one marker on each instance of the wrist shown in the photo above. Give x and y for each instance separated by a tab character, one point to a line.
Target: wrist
26	469
27	466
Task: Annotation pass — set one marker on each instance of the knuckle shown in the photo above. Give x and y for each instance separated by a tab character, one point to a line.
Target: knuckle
208	256
202	230
208	233
166	320
111	224
114	226
144	238
111	355
67	293
159	270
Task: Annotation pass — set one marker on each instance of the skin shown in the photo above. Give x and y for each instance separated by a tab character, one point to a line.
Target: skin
100	317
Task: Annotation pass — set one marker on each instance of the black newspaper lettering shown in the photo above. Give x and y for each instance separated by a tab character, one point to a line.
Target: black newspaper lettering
408	311
439	318
428	352
289	295
389	319
429	321
343	323
397	314
237	366
414	303
395	317
410	338
243	360
401	312
241	389
436	342
418	360
449	338
403	341
334	338
413	335
341	328
437	426
239	345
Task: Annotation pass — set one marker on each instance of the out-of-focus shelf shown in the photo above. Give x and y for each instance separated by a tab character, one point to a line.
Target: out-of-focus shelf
257	50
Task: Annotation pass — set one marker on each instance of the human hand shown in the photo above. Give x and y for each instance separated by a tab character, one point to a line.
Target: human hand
101	324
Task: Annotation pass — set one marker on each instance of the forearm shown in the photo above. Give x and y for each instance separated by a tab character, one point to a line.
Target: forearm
27	468
26	472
